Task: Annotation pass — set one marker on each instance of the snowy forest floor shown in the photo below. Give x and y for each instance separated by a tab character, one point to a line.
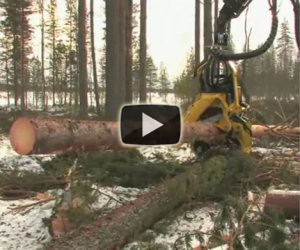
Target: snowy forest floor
95	184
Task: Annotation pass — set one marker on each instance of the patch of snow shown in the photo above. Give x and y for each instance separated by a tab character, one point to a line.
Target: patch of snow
11	160
202	220
113	197
276	151
26	231
181	154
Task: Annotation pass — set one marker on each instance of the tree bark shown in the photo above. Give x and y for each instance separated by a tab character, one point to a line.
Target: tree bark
216	13
122	224
7	81
23	55
143	51
46	135
115	58
296	8
286	201
43	53
82	60
96	89
197	32
16	70
207	27
129	60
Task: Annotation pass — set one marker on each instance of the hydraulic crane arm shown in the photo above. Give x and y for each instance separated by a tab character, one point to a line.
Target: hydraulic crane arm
232	9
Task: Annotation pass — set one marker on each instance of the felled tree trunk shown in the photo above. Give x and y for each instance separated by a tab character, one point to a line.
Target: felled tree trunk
52	135
286	201
46	135
129	220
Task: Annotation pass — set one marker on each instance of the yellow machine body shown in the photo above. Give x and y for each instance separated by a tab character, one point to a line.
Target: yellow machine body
223	110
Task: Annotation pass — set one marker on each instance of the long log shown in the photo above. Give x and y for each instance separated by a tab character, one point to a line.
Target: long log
286	201
52	135
128	221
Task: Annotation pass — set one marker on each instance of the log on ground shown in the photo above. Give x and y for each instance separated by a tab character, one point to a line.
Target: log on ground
128	221
286	201
52	135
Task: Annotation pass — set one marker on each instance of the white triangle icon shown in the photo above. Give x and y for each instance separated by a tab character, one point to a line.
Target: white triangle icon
149	124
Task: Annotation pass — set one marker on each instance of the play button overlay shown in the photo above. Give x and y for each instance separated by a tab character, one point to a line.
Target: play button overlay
150	124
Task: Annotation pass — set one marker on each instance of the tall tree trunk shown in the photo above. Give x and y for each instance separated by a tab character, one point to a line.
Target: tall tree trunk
207	27
16	70
115	58
122	48
43	55
143	50
96	89
197	32
129	60
82	60
22	54
7	81
53	65
76	80
216	13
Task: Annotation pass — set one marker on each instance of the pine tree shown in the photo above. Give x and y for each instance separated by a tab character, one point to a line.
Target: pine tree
207	27
285	51
143	50
6	61
16	23
151	76
285	47
164	80
96	91
52	32
61	55
35	79
183	84
71	32
42	24
296	79
82	60
129	56
115	58
197	32
135	75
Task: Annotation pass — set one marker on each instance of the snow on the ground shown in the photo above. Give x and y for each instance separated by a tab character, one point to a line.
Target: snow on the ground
9	159
182	153
24	231
276	151
199	219
27	230
113	197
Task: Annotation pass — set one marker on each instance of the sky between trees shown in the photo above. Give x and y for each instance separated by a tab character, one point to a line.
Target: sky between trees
170	31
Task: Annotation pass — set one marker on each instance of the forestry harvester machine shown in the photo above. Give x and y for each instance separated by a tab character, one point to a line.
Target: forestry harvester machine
220	91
